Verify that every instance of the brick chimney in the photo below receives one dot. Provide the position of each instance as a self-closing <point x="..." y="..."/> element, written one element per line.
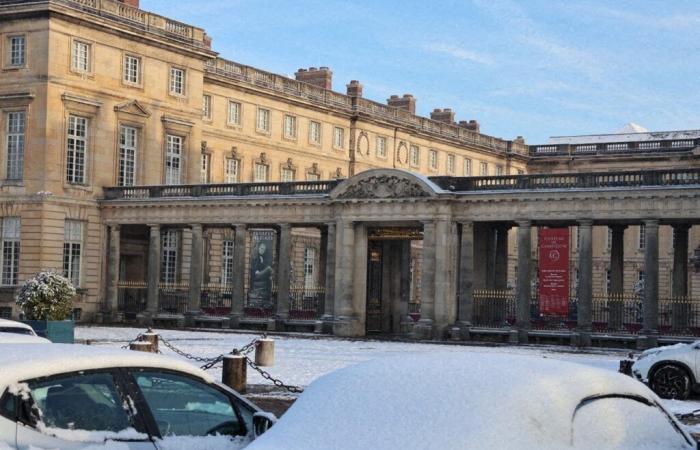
<point x="134" y="3"/>
<point x="443" y="115"/>
<point x="354" y="89"/>
<point x="407" y="102"/>
<point x="471" y="125"/>
<point x="321" y="77"/>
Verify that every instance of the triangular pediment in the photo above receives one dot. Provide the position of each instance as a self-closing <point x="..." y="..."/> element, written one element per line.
<point x="133" y="107"/>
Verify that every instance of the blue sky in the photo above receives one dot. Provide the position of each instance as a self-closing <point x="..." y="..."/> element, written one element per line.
<point x="535" y="68"/>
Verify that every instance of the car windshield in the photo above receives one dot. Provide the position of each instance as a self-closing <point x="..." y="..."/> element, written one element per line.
<point x="625" y="422"/>
<point x="16" y="330"/>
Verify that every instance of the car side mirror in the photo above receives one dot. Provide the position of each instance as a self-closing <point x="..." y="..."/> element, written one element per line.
<point x="262" y="421"/>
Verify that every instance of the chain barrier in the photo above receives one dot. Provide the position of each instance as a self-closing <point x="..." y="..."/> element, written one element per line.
<point x="275" y="381"/>
<point x="136" y="339"/>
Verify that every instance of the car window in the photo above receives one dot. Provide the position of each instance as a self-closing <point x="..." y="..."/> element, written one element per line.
<point x="625" y="423"/>
<point x="80" y="401"/>
<point x="15" y="330"/>
<point x="182" y="406"/>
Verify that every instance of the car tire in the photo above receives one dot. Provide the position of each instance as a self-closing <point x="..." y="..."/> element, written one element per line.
<point x="671" y="382"/>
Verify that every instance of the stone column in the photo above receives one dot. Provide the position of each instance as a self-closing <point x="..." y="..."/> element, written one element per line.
<point x="328" y="238"/>
<point x="585" y="283"/>
<point x="617" y="269"/>
<point x="238" y="299"/>
<point x="153" y="274"/>
<point x="679" y="288"/>
<point x="424" y="327"/>
<point x="523" y="288"/>
<point x="284" y="261"/>
<point x="113" y="275"/>
<point x="466" y="279"/>
<point x="501" y="263"/>
<point x="345" y="323"/>
<point x="651" y="282"/>
<point x="195" y="289"/>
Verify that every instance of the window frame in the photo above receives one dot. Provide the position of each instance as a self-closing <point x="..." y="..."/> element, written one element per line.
<point x="173" y="83"/>
<point x="414" y="150"/>
<point x="15" y="251"/>
<point x="20" y="145"/>
<point x="69" y="246"/>
<point x="290" y="127"/>
<point x="70" y="177"/>
<point x="287" y="170"/>
<point x="239" y="117"/>
<point x="205" y="168"/>
<point x="338" y="144"/>
<point x="168" y="172"/>
<point x="467" y="167"/>
<point x="384" y="153"/>
<point x="318" y="141"/>
<point x="89" y="56"/>
<point x="227" y="170"/>
<point x="207" y="107"/>
<point x="255" y="172"/>
<point x="267" y="113"/>
<point x="120" y="154"/>
<point x="450" y="163"/>
<point x="433" y="161"/>
<point x="483" y="169"/>
<point x="228" y="249"/>
<point x="9" y="41"/>
<point x="139" y="69"/>
<point x="170" y="262"/>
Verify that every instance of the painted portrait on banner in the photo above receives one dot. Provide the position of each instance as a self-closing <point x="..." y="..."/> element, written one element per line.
<point x="261" y="270"/>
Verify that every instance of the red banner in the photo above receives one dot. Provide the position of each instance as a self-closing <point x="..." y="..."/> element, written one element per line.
<point x="554" y="271"/>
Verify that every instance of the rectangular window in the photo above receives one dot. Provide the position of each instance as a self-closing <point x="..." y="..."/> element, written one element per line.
<point x="263" y="121"/>
<point x="10" y="250"/>
<point x="315" y="132"/>
<point x="451" y="164"/>
<point x="72" y="250"/>
<point x="16" y="123"/>
<point x="312" y="177"/>
<point x="483" y="169"/>
<point x="261" y="171"/>
<point x="234" y="113"/>
<point x="173" y="159"/>
<point x="81" y="56"/>
<point x="338" y="138"/>
<point x="170" y="245"/>
<point x="467" y="167"/>
<point x="500" y="170"/>
<point x="287" y="174"/>
<point x="290" y="127"/>
<point x="132" y="69"/>
<point x="642" y="237"/>
<point x="381" y="147"/>
<point x="433" y="159"/>
<point x="76" y="149"/>
<point x="205" y="172"/>
<point x="18" y="48"/>
<point x="414" y="155"/>
<point x="309" y="268"/>
<point x="206" y="107"/>
<point x="177" y="81"/>
<point x="232" y="170"/>
<point x="128" y="145"/>
<point x="227" y="263"/>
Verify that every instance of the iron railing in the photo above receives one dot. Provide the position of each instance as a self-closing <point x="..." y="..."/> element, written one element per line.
<point x="216" y="300"/>
<point x="658" y="146"/>
<point x="173" y="298"/>
<point x="306" y="303"/>
<point x="131" y="298"/>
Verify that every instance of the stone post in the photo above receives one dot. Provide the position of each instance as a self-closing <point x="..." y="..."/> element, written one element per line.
<point x="328" y="258"/>
<point x="284" y="261"/>
<point x="194" y="299"/>
<point x="523" y="289"/>
<point x="153" y="274"/>
<point x="238" y="299"/>
<point x="424" y="327"/>
<point x="617" y="269"/>
<point x="585" y="284"/>
<point x="113" y="274"/>
<point x="679" y="289"/>
<point x="651" y="282"/>
<point x="466" y="280"/>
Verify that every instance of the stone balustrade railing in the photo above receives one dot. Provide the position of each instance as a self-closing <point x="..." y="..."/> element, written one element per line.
<point x="670" y="145"/>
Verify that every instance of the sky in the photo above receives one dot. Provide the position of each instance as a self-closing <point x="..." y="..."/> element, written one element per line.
<point x="532" y="68"/>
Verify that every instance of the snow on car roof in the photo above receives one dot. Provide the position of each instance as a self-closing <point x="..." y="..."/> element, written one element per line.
<point x="20" y="362"/>
<point x="445" y="401"/>
<point x="15" y="338"/>
<point x="14" y="324"/>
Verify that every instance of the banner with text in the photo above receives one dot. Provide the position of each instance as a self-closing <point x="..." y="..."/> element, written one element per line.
<point x="554" y="271"/>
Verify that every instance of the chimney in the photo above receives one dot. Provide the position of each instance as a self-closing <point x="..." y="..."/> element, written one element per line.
<point x="354" y="89"/>
<point x="407" y="102"/>
<point x="443" y="115"/>
<point x="472" y="125"/>
<point x="134" y="3"/>
<point x="321" y="77"/>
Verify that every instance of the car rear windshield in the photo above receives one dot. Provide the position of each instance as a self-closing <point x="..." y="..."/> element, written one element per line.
<point x="16" y="330"/>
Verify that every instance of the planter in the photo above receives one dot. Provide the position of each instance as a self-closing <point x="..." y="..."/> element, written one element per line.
<point x="57" y="331"/>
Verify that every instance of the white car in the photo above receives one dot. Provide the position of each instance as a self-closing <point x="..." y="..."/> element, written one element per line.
<point x="10" y="326"/>
<point x="75" y="396"/>
<point x="15" y="338"/>
<point x="475" y="401"/>
<point x="671" y="371"/>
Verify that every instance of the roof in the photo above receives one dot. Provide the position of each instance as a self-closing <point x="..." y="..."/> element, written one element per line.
<point x="25" y="361"/>
<point x="14" y="324"/>
<point x="625" y="137"/>
<point x="446" y="400"/>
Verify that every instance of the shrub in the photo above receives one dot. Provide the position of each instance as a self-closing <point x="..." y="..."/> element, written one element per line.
<point x="46" y="296"/>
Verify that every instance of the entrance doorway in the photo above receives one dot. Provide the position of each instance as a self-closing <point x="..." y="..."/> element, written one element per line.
<point x="391" y="282"/>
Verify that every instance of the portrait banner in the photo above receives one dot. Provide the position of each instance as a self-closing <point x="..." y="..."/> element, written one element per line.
<point x="553" y="287"/>
<point x="261" y="269"/>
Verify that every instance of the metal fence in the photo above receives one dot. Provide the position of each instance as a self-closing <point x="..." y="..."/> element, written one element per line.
<point x="494" y="308"/>
<point x="216" y="300"/>
<point x="172" y="298"/>
<point x="131" y="298"/>
<point x="306" y="303"/>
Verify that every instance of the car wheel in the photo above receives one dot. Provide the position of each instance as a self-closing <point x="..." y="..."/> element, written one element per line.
<point x="670" y="381"/>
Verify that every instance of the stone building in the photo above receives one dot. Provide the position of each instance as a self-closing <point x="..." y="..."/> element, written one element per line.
<point x="99" y="97"/>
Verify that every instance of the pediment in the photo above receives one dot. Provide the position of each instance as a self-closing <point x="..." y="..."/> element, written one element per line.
<point x="385" y="184"/>
<point x="133" y="107"/>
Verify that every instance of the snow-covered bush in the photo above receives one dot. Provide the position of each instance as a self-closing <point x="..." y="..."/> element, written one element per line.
<point x="46" y="296"/>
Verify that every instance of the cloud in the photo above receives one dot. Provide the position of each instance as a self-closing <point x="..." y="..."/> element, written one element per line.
<point x="458" y="53"/>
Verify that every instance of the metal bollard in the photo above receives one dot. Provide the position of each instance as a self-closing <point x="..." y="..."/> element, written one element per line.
<point x="150" y="336"/>
<point x="235" y="373"/>
<point x="265" y="352"/>
<point x="141" y="346"/>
